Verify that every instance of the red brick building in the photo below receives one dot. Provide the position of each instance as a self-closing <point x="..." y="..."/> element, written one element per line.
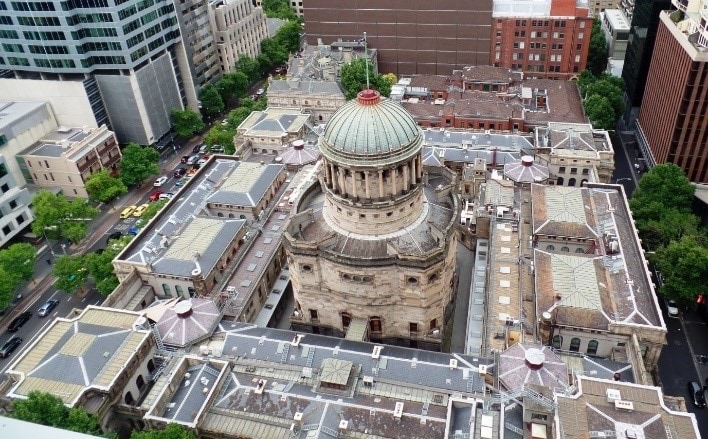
<point x="551" y="40"/>
<point x="673" y="118"/>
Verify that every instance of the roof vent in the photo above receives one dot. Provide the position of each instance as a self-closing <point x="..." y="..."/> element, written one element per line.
<point x="482" y="369"/>
<point x="296" y="340"/>
<point x="398" y="410"/>
<point x="183" y="309"/>
<point x="343" y="425"/>
<point x="453" y="364"/>
<point x="534" y="358"/>
<point x="377" y="352"/>
<point x="624" y="405"/>
<point x="613" y="395"/>
<point x="260" y="387"/>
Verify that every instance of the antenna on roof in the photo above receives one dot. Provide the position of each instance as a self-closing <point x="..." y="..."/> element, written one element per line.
<point x="366" y="60"/>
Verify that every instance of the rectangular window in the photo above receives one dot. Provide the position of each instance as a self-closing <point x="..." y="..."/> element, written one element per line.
<point x="313" y="314"/>
<point x="581" y="35"/>
<point x="413" y="328"/>
<point x="13" y="204"/>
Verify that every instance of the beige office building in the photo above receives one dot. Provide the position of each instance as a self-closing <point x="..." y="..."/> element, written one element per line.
<point x="238" y="29"/>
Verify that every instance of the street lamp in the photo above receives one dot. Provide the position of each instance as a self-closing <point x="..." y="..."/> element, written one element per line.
<point x="51" y="250"/>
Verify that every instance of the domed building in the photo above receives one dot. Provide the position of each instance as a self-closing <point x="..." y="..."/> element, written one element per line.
<point x="372" y="247"/>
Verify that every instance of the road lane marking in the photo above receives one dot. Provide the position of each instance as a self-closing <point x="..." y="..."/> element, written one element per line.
<point x="52" y="296"/>
<point x="55" y="314"/>
<point x="69" y="299"/>
<point x="97" y="302"/>
<point x="54" y="281"/>
<point x="83" y="300"/>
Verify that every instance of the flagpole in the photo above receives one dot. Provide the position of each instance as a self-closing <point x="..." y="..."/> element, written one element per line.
<point x="366" y="60"/>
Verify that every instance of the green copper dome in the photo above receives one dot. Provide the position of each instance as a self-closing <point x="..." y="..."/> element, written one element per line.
<point x="370" y="127"/>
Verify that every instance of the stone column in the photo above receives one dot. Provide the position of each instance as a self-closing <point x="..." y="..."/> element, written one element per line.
<point x="366" y="185"/>
<point x="405" y="177"/>
<point x="414" y="174"/>
<point x="342" y="183"/>
<point x="420" y="166"/>
<point x="332" y="177"/>
<point x="354" y="183"/>
<point x="326" y="172"/>
<point x="394" y="189"/>
<point x="381" y="193"/>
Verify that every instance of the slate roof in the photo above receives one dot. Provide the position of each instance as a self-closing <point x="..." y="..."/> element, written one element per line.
<point x="74" y="355"/>
<point x="592" y="290"/>
<point x="431" y="82"/>
<point x="487" y="74"/>
<point x="521" y="173"/>
<point x="246" y="185"/>
<point x="515" y="373"/>
<point x="312" y="88"/>
<point x="273" y="122"/>
<point x="589" y="411"/>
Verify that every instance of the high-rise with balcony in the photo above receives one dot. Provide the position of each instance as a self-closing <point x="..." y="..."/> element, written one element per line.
<point x="673" y="118"/>
<point x="128" y="54"/>
<point x="547" y="39"/>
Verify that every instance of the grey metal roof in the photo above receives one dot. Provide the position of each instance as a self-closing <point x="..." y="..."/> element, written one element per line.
<point x="371" y="129"/>
<point x="309" y="87"/>
<point x="246" y="185"/>
<point x="411" y="366"/>
<point x="190" y="396"/>
<point x="182" y="331"/>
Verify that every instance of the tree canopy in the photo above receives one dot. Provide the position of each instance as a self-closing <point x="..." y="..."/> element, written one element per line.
<point x="353" y="78"/>
<point x="57" y="217"/>
<point x="248" y="66"/>
<point x="100" y="266"/>
<point x="186" y="122"/>
<point x="232" y="86"/>
<point x="278" y="9"/>
<point x="103" y="187"/>
<point x="684" y="264"/>
<point x="211" y="101"/>
<point x="138" y="163"/>
<point x="665" y="184"/>
<point x="172" y="431"/>
<point x="47" y="409"/>
<point x="16" y="266"/>
<point x="600" y="112"/>
<point x="71" y="273"/>
<point x="598" y="52"/>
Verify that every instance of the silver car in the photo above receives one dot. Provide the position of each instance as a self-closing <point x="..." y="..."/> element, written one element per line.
<point x="47" y="308"/>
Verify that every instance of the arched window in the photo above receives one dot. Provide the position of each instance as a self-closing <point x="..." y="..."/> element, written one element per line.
<point x="557" y="341"/>
<point x="571" y="182"/>
<point x="231" y="215"/>
<point x="582" y="182"/>
<point x="565" y="249"/>
<point x="219" y="214"/>
<point x="375" y="324"/>
<point x="242" y="217"/>
<point x="574" y="344"/>
<point x="320" y="117"/>
<point x="592" y="347"/>
<point x="179" y="290"/>
<point x="579" y="250"/>
<point x="166" y="289"/>
<point x="550" y="247"/>
<point x="140" y="382"/>
<point x="559" y="181"/>
<point x="129" y="398"/>
<point x="151" y="366"/>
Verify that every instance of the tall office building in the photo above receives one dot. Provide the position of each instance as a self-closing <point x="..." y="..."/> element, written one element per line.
<point x="411" y="36"/>
<point x="644" y="17"/>
<point x="128" y="54"/>
<point x="673" y="118"/>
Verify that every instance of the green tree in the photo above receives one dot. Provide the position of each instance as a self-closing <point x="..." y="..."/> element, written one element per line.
<point x="150" y="212"/>
<point x="71" y="273"/>
<point x="41" y="408"/>
<point x="211" y="101"/>
<point x="666" y="226"/>
<point x="103" y="187"/>
<point x="613" y="93"/>
<point x="100" y="266"/>
<point x="57" y="217"/>
<point x="220" y="135"/>
<point x="172" y="431"/>
<point x="600" y="112"/>
<point x="666" y="185"/>
<point x="249" y="67"/>
<point x="232" y="86"/>
<point x="81" y="421"/>
<point x="138" y="163"/>
<point x="684" y="264"/>
<point x="289" y="36"/>
<point x="278" y="9"/>
<point x="598" y="51"/>
<point x="187" y="122"/>
<point x="9" y="281"/>
<point x="19" y="259"/>
<point x="354" y="79"/>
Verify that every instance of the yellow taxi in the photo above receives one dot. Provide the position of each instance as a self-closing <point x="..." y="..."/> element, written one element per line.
<point x="127" y="212"/>
<point x="139" y="211"/>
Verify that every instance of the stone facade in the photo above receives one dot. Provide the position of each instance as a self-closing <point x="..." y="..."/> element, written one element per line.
<point x="238" y="28"/>
<point x="381" y="250"/>
<point x="321" y="99"/>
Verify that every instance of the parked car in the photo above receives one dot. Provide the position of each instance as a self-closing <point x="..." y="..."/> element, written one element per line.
<point x="195" y="167"/>
<point x="179" y="172"/>
<point x="127" y="212"/>
<point x="179" y="183"/>
<point x="133" y="231"/>
<point x="697" y="396"/>
<point x="196" y="149"/>
<point x="216" y="148"/>
<point x="193" y="159"/>
<point x="114" y="235"/>
<point x="167" y="196"/>
<point x="185" y="158"/>
<point x="260" y="92"/>
<point x="672" y="308"/>
<point x="201" y="162"/>
<point x="160" y="181"/>
<point x="155" y="195"/>
<point x="223" y="123"/>
<point x="205" y="148"/>
<point x="140" y="210"/>
<point x="47" y="308"/>
<point x="19" y="321"/>
<point x="10" y="346"/>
